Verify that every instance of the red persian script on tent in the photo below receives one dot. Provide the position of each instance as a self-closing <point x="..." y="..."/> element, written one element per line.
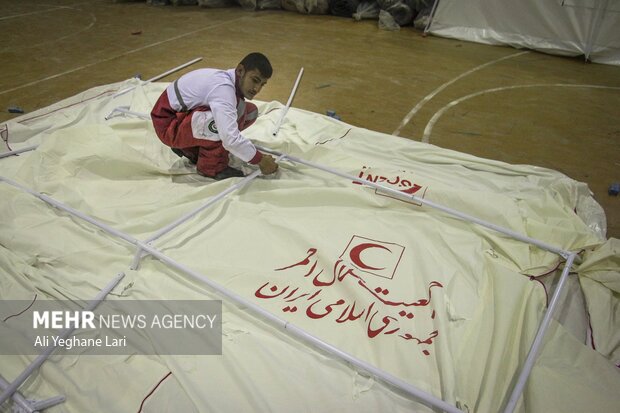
<point x="365" y="271"/>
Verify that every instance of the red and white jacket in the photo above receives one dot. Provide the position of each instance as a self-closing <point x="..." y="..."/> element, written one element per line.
<point x="215" y="89"/>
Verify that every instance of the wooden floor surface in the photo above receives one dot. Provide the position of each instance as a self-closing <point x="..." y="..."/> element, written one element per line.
<point x="501" y="103"/>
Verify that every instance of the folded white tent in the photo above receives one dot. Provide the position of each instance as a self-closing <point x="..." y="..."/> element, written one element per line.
<point x="566" y="27"/>
<point x="406" y="297"/>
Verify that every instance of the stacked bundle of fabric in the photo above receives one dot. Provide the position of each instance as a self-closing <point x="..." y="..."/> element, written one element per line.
<point x="307" y="6"/>
<point x="395" y="13"/>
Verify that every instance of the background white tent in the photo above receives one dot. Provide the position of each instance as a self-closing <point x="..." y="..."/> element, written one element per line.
<point x="565" y="27"/>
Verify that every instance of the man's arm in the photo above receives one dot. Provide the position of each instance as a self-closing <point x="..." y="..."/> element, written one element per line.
<point x="225" y="116"/>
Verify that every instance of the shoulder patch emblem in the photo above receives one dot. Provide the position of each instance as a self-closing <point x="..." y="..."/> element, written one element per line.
<point x="212" y="127"/>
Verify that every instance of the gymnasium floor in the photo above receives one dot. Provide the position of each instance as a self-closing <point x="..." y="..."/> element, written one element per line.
<point x="511" y="105"/>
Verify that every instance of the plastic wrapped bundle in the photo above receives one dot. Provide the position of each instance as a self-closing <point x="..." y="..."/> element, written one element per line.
<point x="306" y="6"/>
<point x="386" y="4"/>
<point x="401" y="13"/>
<point x="423" y="10"/>
<point x="401" y="10"/>
<point x="367" y="10"/>
<point x="214" y="4"/>
<point x="259" y="4"/>
<point x="386" y="21"/>
<point x="268" y="4"/>
<point x="344" y="8"/>
<point x="247" y="4"/>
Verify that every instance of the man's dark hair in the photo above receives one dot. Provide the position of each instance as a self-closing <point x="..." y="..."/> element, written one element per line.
<point x="258" y="61"/>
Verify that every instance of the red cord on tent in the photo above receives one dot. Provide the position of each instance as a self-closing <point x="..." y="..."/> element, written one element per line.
<point x="68" y="106"/>
<point x="4" y="132"/>
<point x="23" y="311"/>
<point x="153" y="391"/>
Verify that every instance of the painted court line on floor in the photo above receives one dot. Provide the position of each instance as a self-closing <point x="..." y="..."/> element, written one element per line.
<point x="13" y="16"/>
<point x="431" y="95"/>
<point x="431" y="123"/>
<point x="53" y="8"/>
<point x="90" y="26"/>
<point x="121" y="55"/>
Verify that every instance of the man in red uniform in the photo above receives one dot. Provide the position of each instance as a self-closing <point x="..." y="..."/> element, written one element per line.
<point x="201" y="114"/>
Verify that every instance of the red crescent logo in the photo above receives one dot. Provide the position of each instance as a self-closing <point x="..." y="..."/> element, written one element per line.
<point x="357" y="251"/>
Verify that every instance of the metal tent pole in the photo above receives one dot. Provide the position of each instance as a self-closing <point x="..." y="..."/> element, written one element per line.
<point x="242" y="183"/>
<point x="301" y="334"/>
<point x="398" y="194"/>
<point x="537" y="343"/>
<point x="542" y="329"/>
<point x="432" y="204"/>
<point x="430" y="17"/>
<point x="211" y="201"/>
<point x="414" y="198"/>
<point x="593" y="31"/>
<point x="153" y="79"/>
<point x="570" y="256"/>
<point x="394" y="192"/>
<point x="71" y="211"/>
<point x="122" y="92"/>
<point x="17" y="151"/>
<point x="12" y="388"/>
<point x="288" y="103"/>
<point x="31" y="406"/>
<point x="44" y="404"/>
<point x="125" y="109"/>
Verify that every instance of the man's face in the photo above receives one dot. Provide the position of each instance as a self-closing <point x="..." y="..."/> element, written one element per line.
<point x="250" y="81"/>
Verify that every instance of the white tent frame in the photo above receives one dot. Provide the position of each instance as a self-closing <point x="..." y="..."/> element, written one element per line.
<point x="27" y="405"/>
<point x="146" y="247"/>
<point x="9" y="389"/>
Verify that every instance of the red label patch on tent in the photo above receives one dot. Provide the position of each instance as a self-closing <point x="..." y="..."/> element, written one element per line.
<point x="401" y="182"/>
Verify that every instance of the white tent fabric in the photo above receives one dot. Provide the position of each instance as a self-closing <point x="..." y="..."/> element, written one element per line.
<point x="565" y="27"/>
<point x="440" y="303"/>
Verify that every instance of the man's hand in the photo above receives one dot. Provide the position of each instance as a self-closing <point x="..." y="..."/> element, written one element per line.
<point x="267" y="164"/>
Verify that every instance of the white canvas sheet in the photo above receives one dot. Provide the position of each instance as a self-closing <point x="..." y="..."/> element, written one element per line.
<point x="440" y="303"/>
<point x="564" y="27"/>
